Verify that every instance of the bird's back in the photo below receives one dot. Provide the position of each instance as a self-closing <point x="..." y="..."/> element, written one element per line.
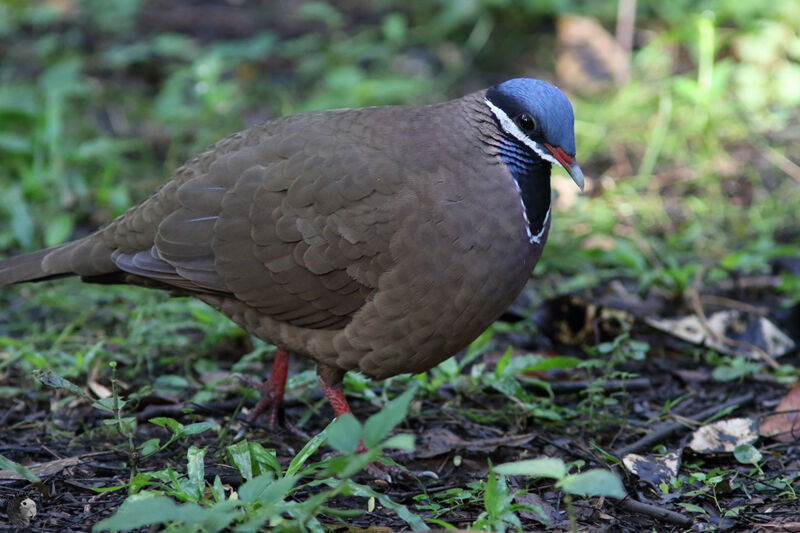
<point x="377" y="239"/>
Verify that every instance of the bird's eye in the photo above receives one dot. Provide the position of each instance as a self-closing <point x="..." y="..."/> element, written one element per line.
<point x="526" y="122"/>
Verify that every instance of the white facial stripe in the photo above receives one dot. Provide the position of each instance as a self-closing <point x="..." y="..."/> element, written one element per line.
<point x="509" y="126"/>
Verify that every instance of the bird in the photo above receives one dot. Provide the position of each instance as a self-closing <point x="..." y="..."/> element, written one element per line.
<point x="379" y="240"/>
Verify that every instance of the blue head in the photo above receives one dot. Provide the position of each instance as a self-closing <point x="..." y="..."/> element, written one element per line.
<point x="539" y="117"/>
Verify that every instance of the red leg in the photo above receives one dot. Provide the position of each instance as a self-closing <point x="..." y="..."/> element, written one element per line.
<point x="335" y="395"/>
<point x="337" y="399"/>
<point x="272" y="391"/>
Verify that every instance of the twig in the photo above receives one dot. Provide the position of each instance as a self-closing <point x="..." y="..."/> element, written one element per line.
<point x="655" y="511"/>
<point x="782" y="162"/>
<point x="663" y="431"/>
<point x="566" y="387"/>
<point x="694" y="300"/>
<point x="730" y="303"/>
<point x="626" y="17"/>
<point x="749" y="283"/>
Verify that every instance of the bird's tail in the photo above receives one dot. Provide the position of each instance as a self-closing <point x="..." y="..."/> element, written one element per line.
<point x="84" y="257"/>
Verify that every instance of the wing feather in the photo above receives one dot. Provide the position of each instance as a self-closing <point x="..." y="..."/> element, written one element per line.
<point x="289" y="217"/>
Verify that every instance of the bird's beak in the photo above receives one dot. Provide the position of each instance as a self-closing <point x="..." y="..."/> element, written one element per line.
<point x="567" y="163"/>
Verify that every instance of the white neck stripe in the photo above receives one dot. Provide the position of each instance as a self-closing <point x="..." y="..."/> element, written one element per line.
<point x="538" y="237"/>
<point x="512" y="129"/>
<point x="531" y="237"/>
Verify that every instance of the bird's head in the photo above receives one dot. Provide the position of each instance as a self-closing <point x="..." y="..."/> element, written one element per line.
<point x="539" y="117"/>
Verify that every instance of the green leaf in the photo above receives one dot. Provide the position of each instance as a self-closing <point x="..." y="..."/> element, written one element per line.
<point x="251" y="490"/>
<point x="53" y="380"/>
<point x="543" y="467"/>
<point x="19" y="100"/>
<point x="197" y="427"/>
<point x="113" y="488"/>
<point x="344" y="433"/>
<point x="149" y="447"/>
<point x="278" y="490"/>
<point x="554" y="363"/>
<point x="57" y="230"/>
<point x="8" y="464"/>
<point x="349" y="465"/>
<point x="381" y="423"/>
<point x="266" y="460"/>
<point x="266" y="490"/>
<point x="144" y="510"/>
<point x="747" y="454"/>
<point x="414" y="521"/>
<point x="126" y="424"/>
<point x="320" y="11"/>
<point x="503" y="362"/>
<point x="195" y="470"/>
<point x="402" y="441"/>
<point x="394" y="27"/>
<point x="239" y="454"/>
<point x="496" y="498"/>
<point x="593" y="483"/>
<point x="138" y="482"/>
<point x="509" y="386"/>
<point x="693" y="508"/>
<point x="109" y="404"/>
<point x="218" y="490"/>
<point x="11" y="143"/>
<point x="21" y="221"/>
<point x="169" y="423"/>
<point x="308" y="450"/>
<point x="738" y="368"/>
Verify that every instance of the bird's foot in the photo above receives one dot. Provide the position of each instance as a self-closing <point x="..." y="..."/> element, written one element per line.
<point x="275" y="419"/>
<point x="272" y="407"/>
<point x="268" y="402"/>
<point x="271" y="400"/>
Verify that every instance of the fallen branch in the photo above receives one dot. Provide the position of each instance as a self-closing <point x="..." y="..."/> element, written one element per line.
<point x="566" y="387"/>
<point x="693" y="294"/>
<point x="663" y="431"/>
<point x="656" y="511"/>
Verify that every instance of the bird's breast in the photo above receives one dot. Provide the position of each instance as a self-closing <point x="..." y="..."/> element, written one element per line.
<point x="462" y="255"/>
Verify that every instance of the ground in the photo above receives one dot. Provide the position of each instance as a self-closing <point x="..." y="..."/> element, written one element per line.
<point x="461" y="424"/>
<point x="117" y="394"/>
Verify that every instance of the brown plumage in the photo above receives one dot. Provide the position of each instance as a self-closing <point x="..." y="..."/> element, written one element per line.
<point x="378" y="240"/>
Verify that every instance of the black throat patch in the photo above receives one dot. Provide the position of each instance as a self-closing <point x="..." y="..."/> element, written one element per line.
<point x="532" y="175"/>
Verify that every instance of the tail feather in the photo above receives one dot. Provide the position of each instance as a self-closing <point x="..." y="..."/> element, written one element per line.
<point x="84" y="257"/>
<point x="25" y="267"/>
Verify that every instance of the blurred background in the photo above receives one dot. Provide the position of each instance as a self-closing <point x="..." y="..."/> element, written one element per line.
<point x="686" y="111"/>
<point x="687" y="129"/>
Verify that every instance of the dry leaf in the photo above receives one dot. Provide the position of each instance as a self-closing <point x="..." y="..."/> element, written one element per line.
<point x="735" y="325"/>
<point x="724" y="436"/>
<point x="589" y="59"/>
<point x="784" y="423"/>
<point x="653" y="469"/>
<point x="438" y="441"/>
<point x="49" y="468"/>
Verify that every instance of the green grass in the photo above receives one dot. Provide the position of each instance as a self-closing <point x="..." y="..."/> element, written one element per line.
<point x="692" y="182"/>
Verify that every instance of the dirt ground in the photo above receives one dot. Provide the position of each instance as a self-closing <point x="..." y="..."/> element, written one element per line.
<point x="452" y="428"/>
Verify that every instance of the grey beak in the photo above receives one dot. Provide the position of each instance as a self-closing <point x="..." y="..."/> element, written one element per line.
<point x="576" y="173"/>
